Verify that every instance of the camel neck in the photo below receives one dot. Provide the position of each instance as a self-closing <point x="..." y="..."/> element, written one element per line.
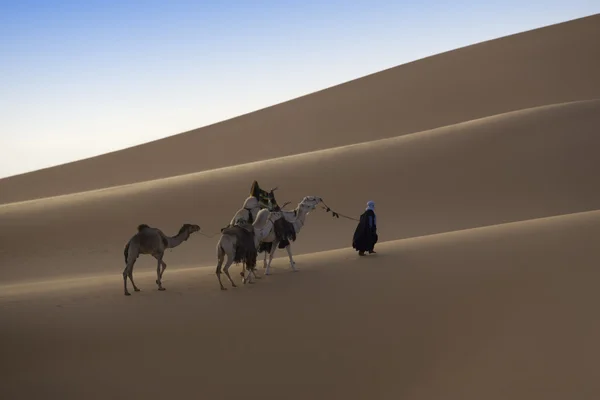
<point x="175" y="241"/>
<point x="300" y="218"/>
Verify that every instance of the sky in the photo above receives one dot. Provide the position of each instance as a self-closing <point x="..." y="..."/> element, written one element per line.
<point x="83" y="78"/>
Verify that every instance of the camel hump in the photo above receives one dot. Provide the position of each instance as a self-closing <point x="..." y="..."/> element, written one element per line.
<point x="141" y="227"/>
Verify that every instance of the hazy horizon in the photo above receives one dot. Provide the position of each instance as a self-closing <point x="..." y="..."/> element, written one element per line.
<point x="84" y="80"/>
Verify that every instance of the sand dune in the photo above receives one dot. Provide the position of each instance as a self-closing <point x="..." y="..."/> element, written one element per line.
<point x="498" y="312"/>
<point x="483" y="163"/>
<point x="521" y="165"/>
<point x="555" y="64"/>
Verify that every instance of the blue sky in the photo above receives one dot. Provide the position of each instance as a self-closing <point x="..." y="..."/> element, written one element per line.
<point x="84" y="78"/>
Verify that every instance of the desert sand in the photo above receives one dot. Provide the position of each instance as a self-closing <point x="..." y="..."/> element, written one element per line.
<point x="483" y="164"/>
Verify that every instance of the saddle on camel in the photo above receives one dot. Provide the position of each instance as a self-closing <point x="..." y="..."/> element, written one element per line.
<point x="245" y="250"/>
<point x="284" y="230"/>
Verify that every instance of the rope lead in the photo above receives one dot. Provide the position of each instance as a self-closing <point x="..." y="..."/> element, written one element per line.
<point x="336" y="214"/>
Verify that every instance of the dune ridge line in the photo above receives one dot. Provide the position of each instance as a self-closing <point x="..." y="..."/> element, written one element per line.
<point x="379" y="142"/>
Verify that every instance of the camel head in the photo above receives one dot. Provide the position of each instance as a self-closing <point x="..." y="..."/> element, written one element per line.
<point x="188" y="229"/>
<point x="309" y="203"/>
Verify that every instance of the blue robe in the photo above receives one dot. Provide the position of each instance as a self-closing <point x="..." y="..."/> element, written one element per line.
<point x="365" y="236"/>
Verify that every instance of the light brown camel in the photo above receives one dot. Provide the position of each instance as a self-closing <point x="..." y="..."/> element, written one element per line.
<point x="152" y="241"/>
<point x="239" y="243"/>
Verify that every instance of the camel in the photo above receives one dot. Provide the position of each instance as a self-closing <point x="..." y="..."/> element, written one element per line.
<point x="297" y="218"/>
<point x="152" y="241"/>
<point x="240" y="241"/>
<point x="247" y="214"/>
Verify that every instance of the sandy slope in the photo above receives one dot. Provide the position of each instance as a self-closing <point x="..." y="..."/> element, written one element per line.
<point x="499" y="312"/>
<point x="554" y="64"/>
<point x="521" y="165"/>
<point x="504" y="311"/>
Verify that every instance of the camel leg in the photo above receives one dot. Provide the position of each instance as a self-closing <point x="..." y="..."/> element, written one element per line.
<point x="220" y="259"/>
<point x="267" y="266"/>
<point x="292" y="262"/>
<point x="248" y="272"/>
<point x="158" y="271"/>
<point x="265" y="263"/>
<point x="162" y="271"/>
<point x="218" y="272"/>
<point x="243" y="273"/>
<point x="253" y="271"/>
<point x="273" y="248"/>
<point x="272" y="252"/>
<point x="125" y="274"/>
<point x="226" y="270"/>
<point x="130" y="274"/>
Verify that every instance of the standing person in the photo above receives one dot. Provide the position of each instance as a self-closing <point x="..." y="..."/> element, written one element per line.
<point x="365" y="235"/>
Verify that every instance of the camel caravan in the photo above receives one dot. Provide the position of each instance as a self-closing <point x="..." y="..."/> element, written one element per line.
<point x="260" y="226"/>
